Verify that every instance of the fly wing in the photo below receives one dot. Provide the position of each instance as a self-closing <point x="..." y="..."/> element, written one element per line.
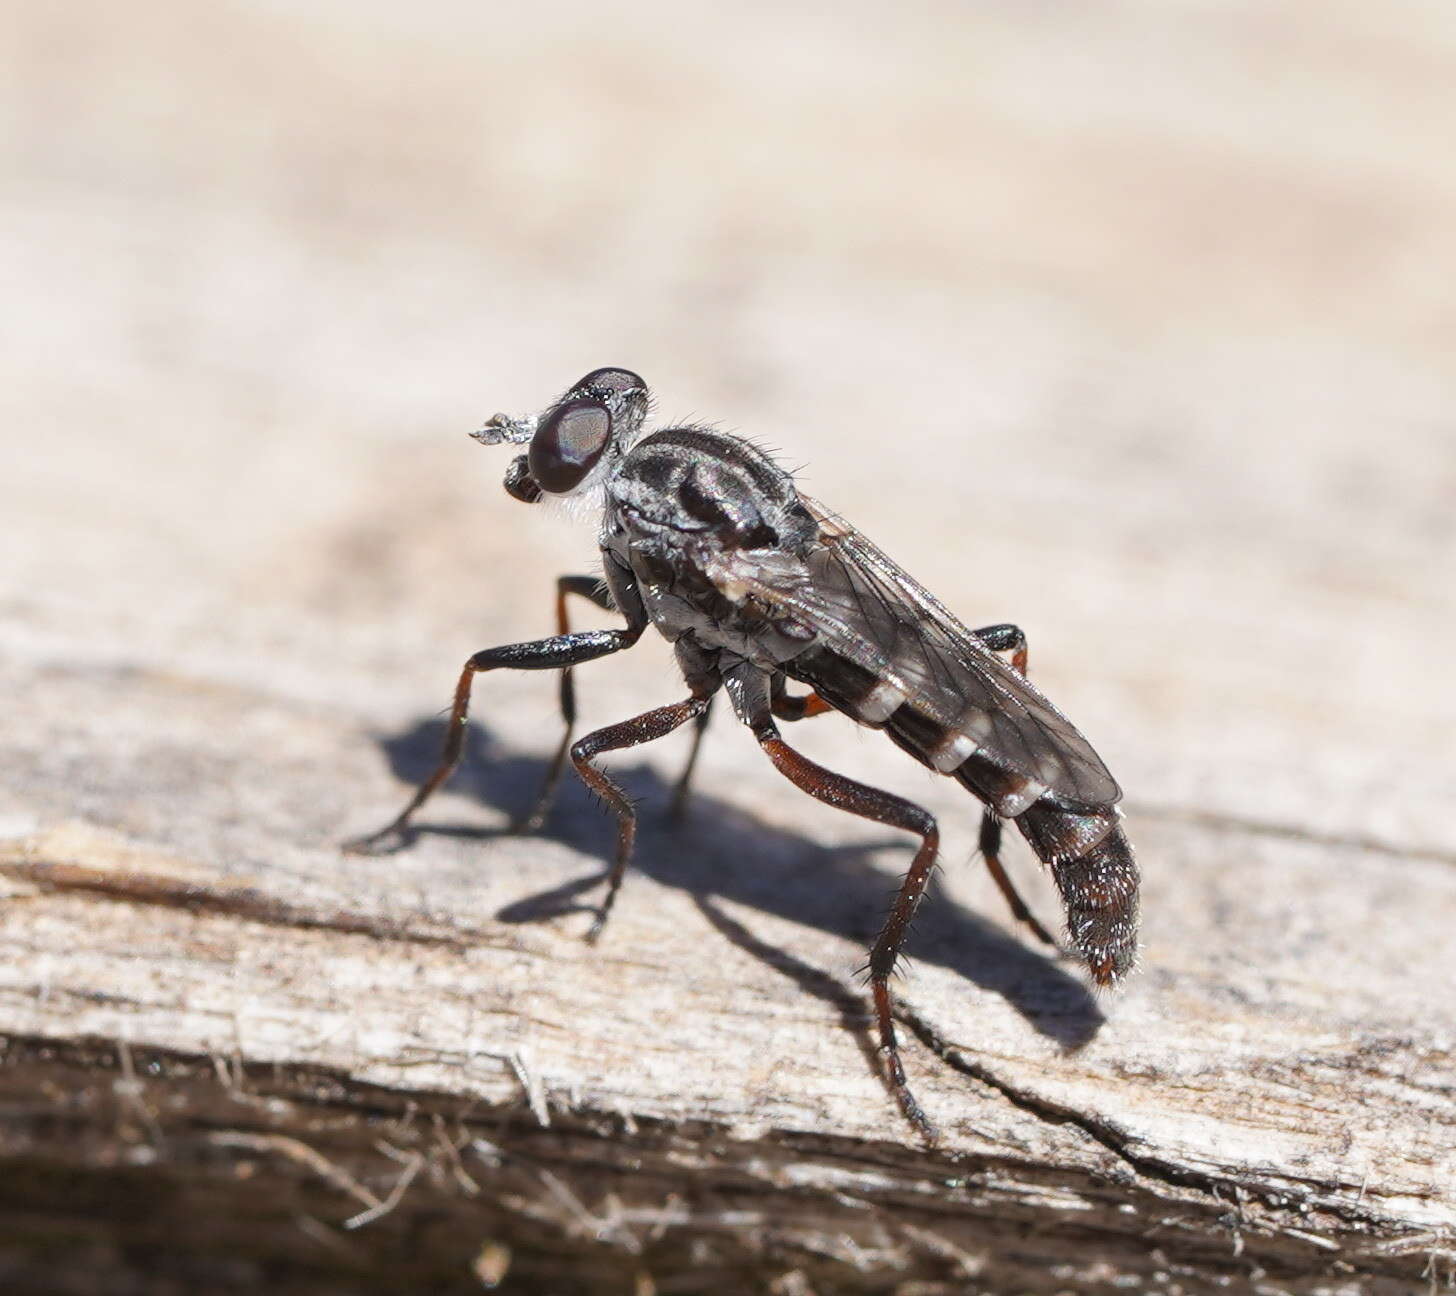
<point x="869" y="610"/>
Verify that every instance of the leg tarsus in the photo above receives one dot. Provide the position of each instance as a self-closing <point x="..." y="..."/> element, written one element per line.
<point x="886" y="808"/>
<point x="537" y="654"/>
<point x="395" y="836"/>
<point x="895" y="1069"/>
<point x="397" y="833"/>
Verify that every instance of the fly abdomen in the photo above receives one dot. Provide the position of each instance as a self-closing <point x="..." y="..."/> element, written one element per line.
<point x="957" y="751"/>
<point x="948" y="749"/>
<point x="1092" y="863"/>
<point x="847" y="686"/>
<point x="1083" y="845"/>
<point x="1080" y="841"/>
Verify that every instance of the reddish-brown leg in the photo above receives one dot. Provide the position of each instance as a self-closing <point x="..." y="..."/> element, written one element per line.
<point x="538" y="654"/>
<point x="629" y="733"/>
<point x="886" y="808"/>
<point x="680" y="792"/>
<point x="1012" y="639"/>
<point x="787" y="707"/>
<point x="991" y="853"/>
<point x="784" y="706"/>
<point x="1006" y="638"/>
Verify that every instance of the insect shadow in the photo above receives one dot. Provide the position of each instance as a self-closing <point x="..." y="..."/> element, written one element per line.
<point x="718" y="850"/>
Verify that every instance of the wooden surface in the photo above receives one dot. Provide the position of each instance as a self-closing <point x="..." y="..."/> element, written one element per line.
<point x="1133" y="328"/>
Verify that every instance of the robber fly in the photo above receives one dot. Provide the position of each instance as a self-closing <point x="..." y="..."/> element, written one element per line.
<point x="755" y="584"/>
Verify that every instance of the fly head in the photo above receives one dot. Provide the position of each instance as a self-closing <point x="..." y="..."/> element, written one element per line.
<point x="574" y="442"/>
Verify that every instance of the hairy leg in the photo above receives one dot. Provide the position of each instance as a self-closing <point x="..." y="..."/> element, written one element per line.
<point x="629" y="733"/>
<point x="538" y="654"/>
<point x="680" y="792"/>
<point x="751" y="700"/>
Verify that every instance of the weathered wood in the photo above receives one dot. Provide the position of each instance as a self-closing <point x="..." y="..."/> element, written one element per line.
<point x="1131" y="328"/>
<point x="299" y="1047"/>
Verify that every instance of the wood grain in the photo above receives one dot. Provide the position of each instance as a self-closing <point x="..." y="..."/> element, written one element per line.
<point x="1153" y="361"/>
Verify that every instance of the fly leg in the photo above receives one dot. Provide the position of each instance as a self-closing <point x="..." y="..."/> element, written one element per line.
<point x="680" y="793"/>
<point x="751" y="701"/>
<point x="1006" y="638"/>
<point x="700" y="670"/>
<point x="1089" y="856"/>
<point x="991" y="853"/>
<point x="1012" y="639"/>
<point x="594" y="591"/>
<point x="629" y="733"/>
<point x="787" y="707"/>
<point x="539" y="654"/>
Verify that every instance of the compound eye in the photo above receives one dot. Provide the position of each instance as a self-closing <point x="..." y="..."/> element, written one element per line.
<point x="568" y="444"/>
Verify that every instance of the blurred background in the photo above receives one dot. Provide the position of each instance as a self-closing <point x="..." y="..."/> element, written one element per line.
<point x="1130" y="321"/>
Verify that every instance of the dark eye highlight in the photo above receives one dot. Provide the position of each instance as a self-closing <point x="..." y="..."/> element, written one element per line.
<point x="568" y="444"/>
